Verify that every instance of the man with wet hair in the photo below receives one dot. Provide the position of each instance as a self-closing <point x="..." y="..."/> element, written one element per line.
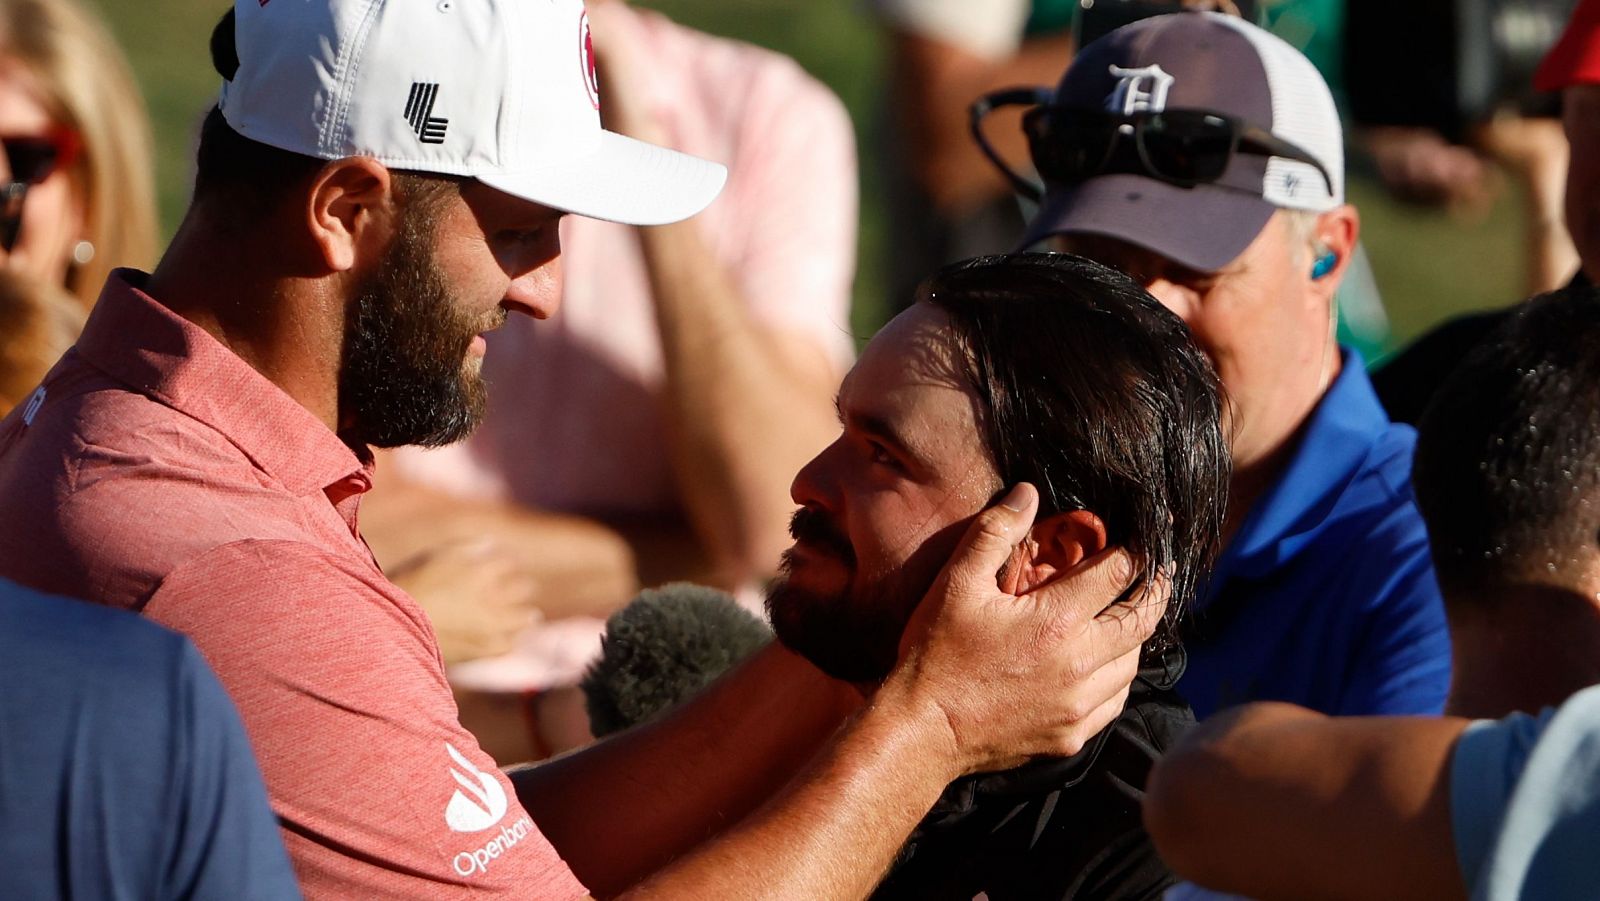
<point x="380" y="183"/>
<point x="1063" y="373"/>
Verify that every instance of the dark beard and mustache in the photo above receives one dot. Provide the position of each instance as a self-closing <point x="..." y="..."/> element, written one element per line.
<point x="404" y="378"/>
<point x="850" y="635"/>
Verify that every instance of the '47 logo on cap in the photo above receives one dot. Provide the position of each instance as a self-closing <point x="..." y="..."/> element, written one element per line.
<point x="419" y="112"/>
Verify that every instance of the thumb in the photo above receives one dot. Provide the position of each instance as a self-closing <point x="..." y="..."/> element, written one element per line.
<point x="989" y="541"/>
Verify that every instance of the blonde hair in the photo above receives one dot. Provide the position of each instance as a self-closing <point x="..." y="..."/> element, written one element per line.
<point x="1300" y="227"/>
<point x="88" y="87"/>
<point x="38" y="323"/>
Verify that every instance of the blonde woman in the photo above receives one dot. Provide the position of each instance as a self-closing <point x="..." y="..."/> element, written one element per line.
<point x="76" y="191"/>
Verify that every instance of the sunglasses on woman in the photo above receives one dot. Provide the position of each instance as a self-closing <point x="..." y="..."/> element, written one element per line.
<point x="31" y="159"/>
<point x="1183" y="147"/>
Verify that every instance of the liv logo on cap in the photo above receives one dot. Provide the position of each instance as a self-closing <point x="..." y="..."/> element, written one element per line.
<point x="419" y="112"/>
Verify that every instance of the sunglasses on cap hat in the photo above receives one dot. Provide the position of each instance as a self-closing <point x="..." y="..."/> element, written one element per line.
<point x="31" y="159"/>
<point x="1183" y="147"/>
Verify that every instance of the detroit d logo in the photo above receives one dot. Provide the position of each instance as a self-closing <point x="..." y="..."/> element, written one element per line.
<point x="1142" y="90"/>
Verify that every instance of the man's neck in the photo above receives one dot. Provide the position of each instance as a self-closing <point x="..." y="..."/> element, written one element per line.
<point x="246" y="296"/>
<point x="1529" y="647"/>
<point x="1256" y="469"/>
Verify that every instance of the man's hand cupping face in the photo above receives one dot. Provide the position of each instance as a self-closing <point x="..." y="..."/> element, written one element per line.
<point x="1029" y="675"/>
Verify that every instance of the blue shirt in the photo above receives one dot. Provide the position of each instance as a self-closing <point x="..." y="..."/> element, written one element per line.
<point x="124" y="769"/>
<point x="1325" y="597"/>
<point x="1525" y="803"/>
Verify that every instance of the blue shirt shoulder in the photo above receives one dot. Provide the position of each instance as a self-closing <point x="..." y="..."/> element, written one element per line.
<point x="1525" y="803"/>
<point x="1325" y="597"/>
<point x="124" y="768"/>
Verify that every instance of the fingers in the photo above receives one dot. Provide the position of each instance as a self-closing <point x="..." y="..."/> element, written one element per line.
<point x="1090" y="587"/>
<point x="988" y="541"/>
<point x="1103" y="716"/>
<point x="1131" y="622"/>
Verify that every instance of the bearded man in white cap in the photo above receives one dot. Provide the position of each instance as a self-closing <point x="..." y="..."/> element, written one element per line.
<point x="380" y="184"/>
<point x="1204" y="156"/>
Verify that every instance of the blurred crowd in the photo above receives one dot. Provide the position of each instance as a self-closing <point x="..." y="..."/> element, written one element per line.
<point x="483" y="493"/>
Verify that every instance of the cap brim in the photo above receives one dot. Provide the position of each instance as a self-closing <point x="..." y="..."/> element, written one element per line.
<point x="623" y="180"/>
<point x="1202" y="228"/>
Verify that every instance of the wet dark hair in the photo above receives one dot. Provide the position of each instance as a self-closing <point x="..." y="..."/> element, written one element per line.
<point x="1507" y="464"/>
<point x="246" y="179"/>
<point x="1096" y="394"/>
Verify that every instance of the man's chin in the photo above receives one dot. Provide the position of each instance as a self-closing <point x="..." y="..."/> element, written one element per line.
<point x="820" y="629"/>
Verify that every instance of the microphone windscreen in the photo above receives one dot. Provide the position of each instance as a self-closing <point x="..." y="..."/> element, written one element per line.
<point x="663" y="647"/>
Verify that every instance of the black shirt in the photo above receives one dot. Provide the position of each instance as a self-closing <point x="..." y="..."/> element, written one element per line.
<point x="1407" y="382"/>
<point x="1054" y="829"/>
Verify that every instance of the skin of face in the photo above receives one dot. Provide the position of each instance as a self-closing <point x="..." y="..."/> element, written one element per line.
<point x="1581" y="118"/>
<point x="413" y="352"/>
<point x="1265" y="327"/>
<point x="884" y="505"/>
<point x="53" y="214"/>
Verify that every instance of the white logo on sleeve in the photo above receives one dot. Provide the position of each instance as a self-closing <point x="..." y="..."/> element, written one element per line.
<point x="1139" y="90"/>
<point x="479" y="803"/>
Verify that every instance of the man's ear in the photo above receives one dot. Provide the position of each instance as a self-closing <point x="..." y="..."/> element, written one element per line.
<point x="1056" y="544"/>
<point x="1336" y="233"/>
<point x="351" y="211"/>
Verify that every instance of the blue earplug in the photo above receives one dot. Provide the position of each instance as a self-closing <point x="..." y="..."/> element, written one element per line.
<point x="1324" y="265"/>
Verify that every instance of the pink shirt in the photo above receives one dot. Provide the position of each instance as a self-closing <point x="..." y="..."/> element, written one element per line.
<point x="154" y="470"/>
<point x="575" y="421"/>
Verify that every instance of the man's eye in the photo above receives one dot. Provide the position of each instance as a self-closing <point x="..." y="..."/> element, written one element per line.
<point x="879" y="454"/>
<point x="521" y="236"/>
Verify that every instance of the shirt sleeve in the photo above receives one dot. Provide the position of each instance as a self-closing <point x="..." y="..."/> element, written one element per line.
<point x="225" y="841"/>
<point x="378" y="789"/>
<point x="991" y="29"/>
<point x="1488" y="758"/>
<point x="1525" y="803"/>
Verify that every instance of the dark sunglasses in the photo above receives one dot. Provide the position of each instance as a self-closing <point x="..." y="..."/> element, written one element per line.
<point x="1183" y="147"/>
<point x="32" y="159"/>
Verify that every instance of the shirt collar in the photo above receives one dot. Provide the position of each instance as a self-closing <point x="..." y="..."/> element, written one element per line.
<point x="132" y="338"/>
<point x="1159" y="672"/>
<point x="1335" y="443"/>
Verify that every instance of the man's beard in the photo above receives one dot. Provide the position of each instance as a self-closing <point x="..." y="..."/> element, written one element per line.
<point x="404" y="378"/>
<point x="854" y="634"/>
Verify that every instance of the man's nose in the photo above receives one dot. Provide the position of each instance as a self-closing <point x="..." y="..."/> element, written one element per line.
<point x="813" y="485"/>
<point x="537" y="292"/>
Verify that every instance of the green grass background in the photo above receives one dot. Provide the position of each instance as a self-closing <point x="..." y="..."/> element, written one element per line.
<point x="1428" y="265"/>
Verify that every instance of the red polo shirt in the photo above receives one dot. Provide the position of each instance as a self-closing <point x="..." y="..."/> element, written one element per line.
<point x="154" y="470"/>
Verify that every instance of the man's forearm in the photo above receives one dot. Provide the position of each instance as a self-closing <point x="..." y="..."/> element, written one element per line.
<point x="621" y="810"/>
<point x="746" y="407"/>
<point x="833" y="832"/>
<point x="1275" y="801"/>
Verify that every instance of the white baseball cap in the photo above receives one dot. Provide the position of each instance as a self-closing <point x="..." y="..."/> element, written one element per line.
<point x="503" y="91"/>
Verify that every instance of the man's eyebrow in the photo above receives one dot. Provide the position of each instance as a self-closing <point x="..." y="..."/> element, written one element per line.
<point x="875" y="426"/>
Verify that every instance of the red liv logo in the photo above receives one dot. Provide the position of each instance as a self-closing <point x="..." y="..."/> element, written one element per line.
<point x="591" y="78"/>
